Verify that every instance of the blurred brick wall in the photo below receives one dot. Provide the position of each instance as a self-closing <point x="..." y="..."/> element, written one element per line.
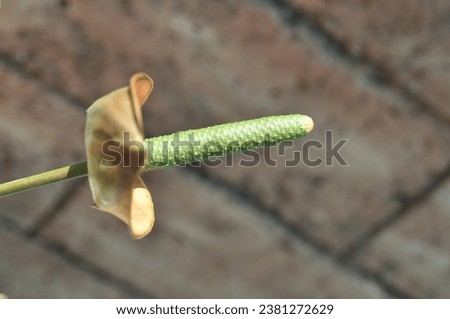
<point x="373" y="72"/>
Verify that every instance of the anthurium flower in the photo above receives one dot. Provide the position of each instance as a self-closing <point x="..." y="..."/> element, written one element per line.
<point x="114" y="127"/>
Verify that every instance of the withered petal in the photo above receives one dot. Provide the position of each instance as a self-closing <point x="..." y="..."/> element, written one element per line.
<point x="142" y="215"/>
<point x="115" y="156"/>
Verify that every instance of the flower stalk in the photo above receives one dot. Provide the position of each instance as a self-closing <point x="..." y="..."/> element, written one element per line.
<point x="117" y="152"/>
<point x="199" y="145"/>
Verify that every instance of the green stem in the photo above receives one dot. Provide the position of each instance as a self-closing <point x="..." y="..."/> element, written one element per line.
<point x="53" y="176"/>
<point x="188" y="146"/>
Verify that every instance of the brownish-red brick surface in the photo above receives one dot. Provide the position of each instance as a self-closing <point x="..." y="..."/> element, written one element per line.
<point x="373" y="75"/>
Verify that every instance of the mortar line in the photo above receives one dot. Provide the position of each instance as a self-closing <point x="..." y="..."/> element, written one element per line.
<point x="434" y="183"/>
<point x="290" y="229"/>
<point x="95" y="271"/>
<point x="376" y="73"/>
<point x="73" y="260"/>
<point x="55" y="210"/>
<point x="15" y="67"/>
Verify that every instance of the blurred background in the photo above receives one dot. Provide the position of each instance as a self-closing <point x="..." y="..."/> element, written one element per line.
<point x="374" y="72"/>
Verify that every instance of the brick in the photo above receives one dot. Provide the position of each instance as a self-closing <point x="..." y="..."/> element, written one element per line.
<point x="206" y="243"/>
<point x="221" y="61"/>
<point x="414" y="254"/>
<point x="39" y="131"/>
<point x="408" y="39"/>
<point x="29" y="271"/>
